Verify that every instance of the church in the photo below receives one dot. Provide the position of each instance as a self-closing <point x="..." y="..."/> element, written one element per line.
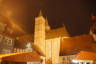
<point x="47" y="41"/>
<point x="57" y="45"/>
<point x="53" y="45"/>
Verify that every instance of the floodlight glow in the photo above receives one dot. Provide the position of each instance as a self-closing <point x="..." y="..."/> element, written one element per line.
<point x="74" y="61"/>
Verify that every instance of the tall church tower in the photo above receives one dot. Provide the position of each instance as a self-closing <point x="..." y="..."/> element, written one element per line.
<point x="39" y="35"/>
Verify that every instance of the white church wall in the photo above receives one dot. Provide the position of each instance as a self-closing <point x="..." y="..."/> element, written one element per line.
<point x="53" y="49"/>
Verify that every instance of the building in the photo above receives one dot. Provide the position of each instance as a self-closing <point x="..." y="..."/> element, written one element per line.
<point x="55" y="45"/>
<point x="46" y="41"/>
<point x="86" y="57"/>
<point x="6" y="42"/>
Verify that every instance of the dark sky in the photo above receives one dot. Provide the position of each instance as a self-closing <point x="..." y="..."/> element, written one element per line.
<point x="75" y="14"/>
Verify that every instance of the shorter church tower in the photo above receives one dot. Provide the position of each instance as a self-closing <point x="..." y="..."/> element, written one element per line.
<point x="47" y="26"/>
<point x="39" y="34"/>
<point x="93" y="27"/>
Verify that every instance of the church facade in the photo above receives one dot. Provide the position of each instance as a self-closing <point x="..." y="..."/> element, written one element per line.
<point x="47" y="44"/>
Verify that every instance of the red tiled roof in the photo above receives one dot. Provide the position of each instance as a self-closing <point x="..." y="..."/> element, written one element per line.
<point x="22" y="57"/>
<point x="57" y="33"/>
<point x="86" y="55"/>
<point x="76" y="44"/>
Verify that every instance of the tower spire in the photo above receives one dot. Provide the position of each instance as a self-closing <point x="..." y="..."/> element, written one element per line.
<point x="40" y="13"/>
<point x="46" y="23"/>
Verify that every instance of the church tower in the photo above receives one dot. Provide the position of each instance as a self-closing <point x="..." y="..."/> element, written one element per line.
<point x="39" y="34"/>
<point x="93" y="27"/>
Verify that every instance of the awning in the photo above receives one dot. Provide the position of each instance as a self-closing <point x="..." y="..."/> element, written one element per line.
<point x="86" y="55"/>
<point x="21" y="57"/>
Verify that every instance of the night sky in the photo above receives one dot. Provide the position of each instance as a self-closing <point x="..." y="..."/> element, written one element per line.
<point x="74" y="14"/>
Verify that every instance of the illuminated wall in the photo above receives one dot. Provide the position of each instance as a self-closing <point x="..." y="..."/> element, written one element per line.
<point x="39" y="35"/>
<point x="51" y="47"/>
<point x="52" y="50"/>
